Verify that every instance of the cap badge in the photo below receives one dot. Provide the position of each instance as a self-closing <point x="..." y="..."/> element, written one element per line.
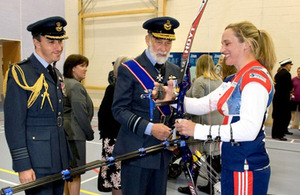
<point x="58" y="27"/>
<point x="168" y="25"/>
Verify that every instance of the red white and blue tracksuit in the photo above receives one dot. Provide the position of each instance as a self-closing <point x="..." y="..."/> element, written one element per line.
<point x="244" y="102"/>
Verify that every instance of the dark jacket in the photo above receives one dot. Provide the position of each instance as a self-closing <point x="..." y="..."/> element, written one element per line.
<point x="35" y="135"/>
<point x="283" y="88"/>
<point x="78" y="111"/>
<point x="107" y="125"/>
<point x="128" y="106"/>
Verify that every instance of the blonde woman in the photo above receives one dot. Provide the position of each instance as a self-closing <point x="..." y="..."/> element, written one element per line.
<point x="244" y="101"/>
<point x="219" y="66"/>
<point x="206" y="81"/>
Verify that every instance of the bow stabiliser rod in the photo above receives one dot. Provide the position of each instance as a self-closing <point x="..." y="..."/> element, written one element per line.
<point x="68" y="174"/>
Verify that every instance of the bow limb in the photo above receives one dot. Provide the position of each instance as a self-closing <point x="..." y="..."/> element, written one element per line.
<point x="185" y="82"/>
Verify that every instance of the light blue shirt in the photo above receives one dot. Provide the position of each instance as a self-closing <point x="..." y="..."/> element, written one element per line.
<point x="41" y="60"/>
<point x="150" y="57"/>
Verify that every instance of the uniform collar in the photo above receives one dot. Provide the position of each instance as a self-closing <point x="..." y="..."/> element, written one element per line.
<point x="150" y="57"/>
<point x="41" y="60"/>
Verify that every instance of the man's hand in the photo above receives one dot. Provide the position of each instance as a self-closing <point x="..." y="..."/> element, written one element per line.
<point x="168" y="90"/>
<point x="27" y="176"/>
<point x="160" y="131"/>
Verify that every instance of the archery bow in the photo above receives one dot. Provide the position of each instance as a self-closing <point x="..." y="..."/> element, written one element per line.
<point x="183" y="87"/>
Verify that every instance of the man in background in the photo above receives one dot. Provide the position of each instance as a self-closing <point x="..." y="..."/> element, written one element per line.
<point x="281" y="101"/>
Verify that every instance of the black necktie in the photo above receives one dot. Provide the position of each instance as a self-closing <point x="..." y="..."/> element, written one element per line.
<point x="160" y="68"/>
<point x="52" y="73"/>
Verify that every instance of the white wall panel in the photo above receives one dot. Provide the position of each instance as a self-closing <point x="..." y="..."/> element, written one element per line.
<point x="119" y="36"/>
<point x="10" y="19"/>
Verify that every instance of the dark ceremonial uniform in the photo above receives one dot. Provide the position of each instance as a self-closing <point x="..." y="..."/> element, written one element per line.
<point x="133" y="113"/>
<point x="34" y="120"/>
<point x="35" y="135"/>
<point x="281" y="102"/>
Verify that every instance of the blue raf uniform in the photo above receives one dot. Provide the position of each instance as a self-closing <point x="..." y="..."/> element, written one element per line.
<point x="133" y="113"/>
<point x="33" y="112"/>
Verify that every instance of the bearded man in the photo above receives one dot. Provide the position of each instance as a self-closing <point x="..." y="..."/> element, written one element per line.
<point x="139" y="128"/>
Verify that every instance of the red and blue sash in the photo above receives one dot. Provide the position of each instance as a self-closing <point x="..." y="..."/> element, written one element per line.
<point x="145" y="79"/>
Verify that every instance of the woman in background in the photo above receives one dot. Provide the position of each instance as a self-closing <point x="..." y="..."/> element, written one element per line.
<point x="295" y="100"/>
<point x="109" y="178"/>
<point x="219" y="66"/>
<point x="78" y="113"/>
<point x="227" y="71"/>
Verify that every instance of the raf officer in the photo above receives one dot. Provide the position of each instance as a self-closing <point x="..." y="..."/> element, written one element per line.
<point x="148" y="174"/>
<point x="33" y="109"/>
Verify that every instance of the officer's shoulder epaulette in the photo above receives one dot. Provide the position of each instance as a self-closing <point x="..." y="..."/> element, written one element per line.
<point x="23" y="61"/>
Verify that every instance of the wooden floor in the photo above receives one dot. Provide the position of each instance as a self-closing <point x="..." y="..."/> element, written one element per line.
<point x="285" y="163"/>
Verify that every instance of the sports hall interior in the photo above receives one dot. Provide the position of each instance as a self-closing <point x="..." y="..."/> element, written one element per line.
<point x="102" y="30"/>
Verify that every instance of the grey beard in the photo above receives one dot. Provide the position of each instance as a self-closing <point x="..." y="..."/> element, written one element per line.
<point x="159" y="60"/>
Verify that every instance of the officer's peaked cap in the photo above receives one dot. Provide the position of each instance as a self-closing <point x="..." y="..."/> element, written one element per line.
<point x="162" y="27"/>
<point x="285" y="62"/>
<point x="51" y="28"/>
